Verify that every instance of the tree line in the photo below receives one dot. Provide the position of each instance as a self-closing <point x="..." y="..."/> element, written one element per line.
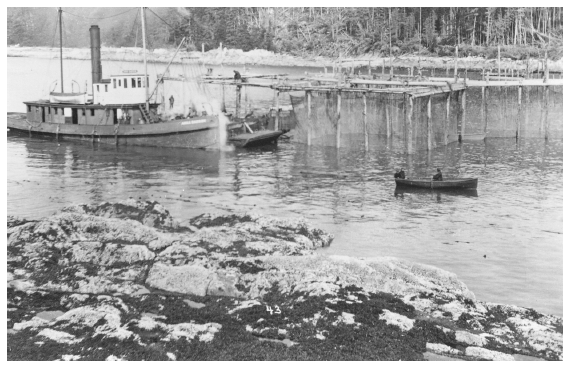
<point x="307" y="31"/>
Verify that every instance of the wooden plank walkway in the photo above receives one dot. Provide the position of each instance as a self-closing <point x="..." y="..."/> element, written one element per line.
<point x="439" y="85"/>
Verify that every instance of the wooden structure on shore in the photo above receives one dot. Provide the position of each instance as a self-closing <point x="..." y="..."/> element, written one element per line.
<point x="417" y="99"/>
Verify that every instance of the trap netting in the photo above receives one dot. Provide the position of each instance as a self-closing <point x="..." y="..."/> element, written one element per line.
<point x="387" y="114"/>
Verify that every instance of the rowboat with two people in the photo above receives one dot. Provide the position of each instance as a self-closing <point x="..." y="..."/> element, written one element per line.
<point x="429" y="183"/>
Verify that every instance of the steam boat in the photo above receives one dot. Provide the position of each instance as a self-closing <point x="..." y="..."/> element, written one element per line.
<point x="119" y="111"/>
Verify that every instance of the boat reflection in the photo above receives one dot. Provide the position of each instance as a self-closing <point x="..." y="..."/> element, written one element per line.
<point x="400" y="191"/>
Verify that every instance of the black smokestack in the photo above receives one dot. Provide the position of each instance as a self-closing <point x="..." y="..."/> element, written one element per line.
<point x="96" y="69"/>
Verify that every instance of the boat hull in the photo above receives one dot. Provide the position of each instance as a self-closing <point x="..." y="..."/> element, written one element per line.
<point x="461" y="183"/>
<point x="473" y="137"/>
<point x="200" y="132"/>
<point x="258" y="138"/>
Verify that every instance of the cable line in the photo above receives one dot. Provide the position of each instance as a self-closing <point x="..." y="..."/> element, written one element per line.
<point x="161" y="19"/>
<point x="111" y="16"/>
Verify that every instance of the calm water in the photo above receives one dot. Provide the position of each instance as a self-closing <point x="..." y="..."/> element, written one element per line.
<point x="515" y="218"/>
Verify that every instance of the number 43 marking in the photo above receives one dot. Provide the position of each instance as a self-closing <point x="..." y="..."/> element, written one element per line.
<point x="270" y="310"/>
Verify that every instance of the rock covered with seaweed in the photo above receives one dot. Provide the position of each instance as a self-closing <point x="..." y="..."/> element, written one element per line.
<point x="127" y="281"/>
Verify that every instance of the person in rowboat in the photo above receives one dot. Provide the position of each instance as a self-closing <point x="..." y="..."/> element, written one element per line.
<point x="400" y="175"/>
<point x="438" y="176"/>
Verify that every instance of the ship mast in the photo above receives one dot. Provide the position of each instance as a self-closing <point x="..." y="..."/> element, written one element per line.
<point x="144" y="57"/>
<point x="60" y="49"/>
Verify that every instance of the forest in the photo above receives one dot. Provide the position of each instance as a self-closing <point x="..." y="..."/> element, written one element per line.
<point x="307" y="31"/>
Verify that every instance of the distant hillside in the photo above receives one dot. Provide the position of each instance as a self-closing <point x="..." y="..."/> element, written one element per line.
<point x="331" y="32"/>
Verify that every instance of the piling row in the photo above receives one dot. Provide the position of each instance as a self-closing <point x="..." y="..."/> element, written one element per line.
<point x="410" y="90"/>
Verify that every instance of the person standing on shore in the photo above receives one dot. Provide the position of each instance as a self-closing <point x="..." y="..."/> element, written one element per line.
<point x="171" y="99"/>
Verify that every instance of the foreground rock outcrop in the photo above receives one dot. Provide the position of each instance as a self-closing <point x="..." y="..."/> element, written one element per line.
<point x="126" y="281"/>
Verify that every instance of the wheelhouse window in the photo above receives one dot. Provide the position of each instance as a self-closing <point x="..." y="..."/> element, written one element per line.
<point x="125" y="80"/>
<point x="83" y="112"/>
<point x="106" y="88"/>
<point x="97" y="88"/>
<point x="92" y="112"/>
<point x="133" y="83"/>
<point x="114" y="83"/>
<point x="139" y="82"/>
<point x="29" y="108"/>
<point x="119" y="82"/>
<point x="49" y="110"/>
<point x="55" y="110"/>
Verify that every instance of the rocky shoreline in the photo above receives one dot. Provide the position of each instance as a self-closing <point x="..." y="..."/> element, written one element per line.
<point x="126" y="281"/>
<point x="268" y="58"/>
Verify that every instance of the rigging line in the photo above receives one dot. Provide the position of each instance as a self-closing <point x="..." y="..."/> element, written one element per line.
<point x="134" y="24"/>
<point x="52" y="46"/>
<point x="133" y="27"/>
<point x="111" y="16"/>
<point x="156" y="15"/>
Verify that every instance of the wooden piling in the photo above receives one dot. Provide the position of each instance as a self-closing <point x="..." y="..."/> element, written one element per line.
<point x="429" y="123"/>
<point x="338" y="101"/>
<point x="484" y="108"/>
<point x="245" y="100"/>
<point x="309" y="125"/>
<point x="455" y="69"/>
<point x="546" y="108"/>
<point x="410" y="115"/>
<point x="526" y="108"/>
<point x="388" y="122"/>
<point x="503" y="107"/>
<point x="276" y="104"/>
<point x="365" y="122"/>
<point x="463" y="102"/>
<point x="446" y="124"/>
<point x="519" y="110"/>
<point x="238" y="100"/>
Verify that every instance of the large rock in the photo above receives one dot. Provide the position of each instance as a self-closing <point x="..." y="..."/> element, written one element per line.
<point x="136" y="251"/>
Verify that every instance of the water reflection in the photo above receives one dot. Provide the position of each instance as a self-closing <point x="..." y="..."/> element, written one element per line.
<point x="515" y="216"/>
<point x="400" y="191"/>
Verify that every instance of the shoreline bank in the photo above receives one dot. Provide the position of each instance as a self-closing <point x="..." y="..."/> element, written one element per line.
<point x="139" y="285"/>
<point x="267" y="58"/>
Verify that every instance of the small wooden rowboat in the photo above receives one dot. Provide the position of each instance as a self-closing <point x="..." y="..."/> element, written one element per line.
<point x="457" y="183"/>
<point x="258" y="138"/>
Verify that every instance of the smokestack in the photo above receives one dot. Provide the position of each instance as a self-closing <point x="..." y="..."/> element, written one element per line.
<point x="96" y="69"/>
